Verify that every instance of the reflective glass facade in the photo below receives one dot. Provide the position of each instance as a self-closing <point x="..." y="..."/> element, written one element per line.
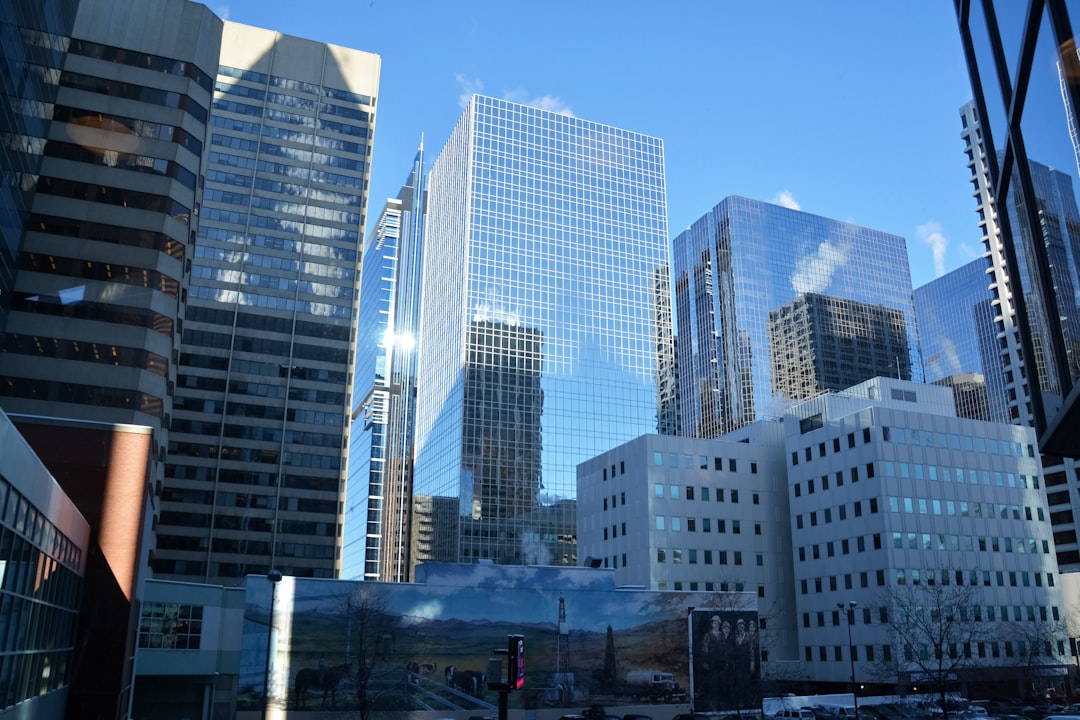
<point x="256" y="465"/>
<point x="1021" y="139"/>
<point x="776" y="305"/>
<point x="1021" y="135"/>
<point x="33" y="44"/>
<point x="375" y="543"/>
<point x="956" y="327"/>
<point x="543" y="326"/>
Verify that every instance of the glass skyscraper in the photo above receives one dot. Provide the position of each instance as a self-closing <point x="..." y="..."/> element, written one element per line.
<point x="256" y="456"/>
<point x="959" y="341"/>
<point x="545" y="326"/>
<point x="379" y="491"/>
<point x="776" y="305"/>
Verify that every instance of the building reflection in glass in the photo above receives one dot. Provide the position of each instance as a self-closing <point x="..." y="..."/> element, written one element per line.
<point x="835" y="291"/>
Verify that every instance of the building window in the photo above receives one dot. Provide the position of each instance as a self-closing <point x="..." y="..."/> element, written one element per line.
<point x="170" y="626"/>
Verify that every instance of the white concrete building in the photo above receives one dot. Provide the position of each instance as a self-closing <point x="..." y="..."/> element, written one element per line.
<point x="676" y="513"/>
<point x="879" y="487"/>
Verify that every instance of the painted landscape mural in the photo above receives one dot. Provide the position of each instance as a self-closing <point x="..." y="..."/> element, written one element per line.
<point x="384" y="648"/>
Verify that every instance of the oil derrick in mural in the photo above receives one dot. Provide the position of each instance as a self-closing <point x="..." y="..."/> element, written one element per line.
<point x="611" y="673"/>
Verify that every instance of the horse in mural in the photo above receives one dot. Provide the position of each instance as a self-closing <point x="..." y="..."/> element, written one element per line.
<point x="472" y="682"/>
<point x="324" y="679"/>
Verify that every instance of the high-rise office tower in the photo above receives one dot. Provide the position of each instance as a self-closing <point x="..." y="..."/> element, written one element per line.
<point x="959" y="341"/>
<point x="256" y="465"/>
<point x="35" y="39"/>
<point x="745" y="273"/>
<point x="379" y="492"/>
<point x="543" y="325"/>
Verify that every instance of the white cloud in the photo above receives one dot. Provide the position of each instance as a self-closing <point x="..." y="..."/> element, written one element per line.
<point x="786" y="199"/>
<point x="971" y="251"/>
<point x="223" y="12"/>
<point x="814" y="273"/>
<point x="930" y="233"/>
<point x="550" y="103"/>
<point x="469" y="87"/>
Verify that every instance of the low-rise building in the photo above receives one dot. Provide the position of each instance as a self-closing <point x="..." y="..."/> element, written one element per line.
<point x="856" y="506"/>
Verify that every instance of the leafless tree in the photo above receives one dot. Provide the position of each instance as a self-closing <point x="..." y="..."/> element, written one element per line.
<point x="1037" y="644"/>
<point x="369" y="638"/>
<point x="932" y="630"/>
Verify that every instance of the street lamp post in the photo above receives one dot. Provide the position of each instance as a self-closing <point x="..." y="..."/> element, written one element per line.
<point x="274" y="576"/>
<point x="849" y="612"/>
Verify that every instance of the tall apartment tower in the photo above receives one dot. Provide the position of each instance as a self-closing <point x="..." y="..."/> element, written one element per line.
<point x="256" y="465"/>
<point x="542" y="326"/>
<point x="959" y="341"/>
<point x="776" y="305"/>
<point x="379" y="492"/>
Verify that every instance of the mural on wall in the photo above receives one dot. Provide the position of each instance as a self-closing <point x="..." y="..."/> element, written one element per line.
<point x="372" y="647"/>
<point x="726" y="659"/>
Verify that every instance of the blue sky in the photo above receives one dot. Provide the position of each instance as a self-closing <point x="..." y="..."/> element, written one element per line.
<point x="847" y="109"/>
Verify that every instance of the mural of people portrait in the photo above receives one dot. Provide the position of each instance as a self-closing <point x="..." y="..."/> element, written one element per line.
<point x="726" y="668"/>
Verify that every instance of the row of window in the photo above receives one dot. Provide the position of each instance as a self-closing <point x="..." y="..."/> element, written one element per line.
<point x="132" y="91"/>
<point x="99" y="312"/>
<point x="121" y="160"/>
<point x="140" y="128"/>
<point x="289" y="244"/>
<point x="674" y="491"/>
<point x="963" y="508"/>
<point x="827" y="514"/>
<point x="86" y="352"/>
<point x="675" y="525"/>
<point x="295" y="172"/>
<point x="693" y="555"/>
<point x="702" y="462"/>
<point x="992" y="649"/>
<point x="923" y="438"/>
<point x="296" y="85"/>
<point x="838" y="479"/>
<point x="92" y="395"/>
<point x="254" y="455"/>
<point x="149" y="61"/>
<point x="107" y="233"/>
<point x="808" y="451"/>
<point x="288" y="304"/>
<point x="265" y="347"/>
<point x="967" y="443"/>
<point x="254" y="367"/>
